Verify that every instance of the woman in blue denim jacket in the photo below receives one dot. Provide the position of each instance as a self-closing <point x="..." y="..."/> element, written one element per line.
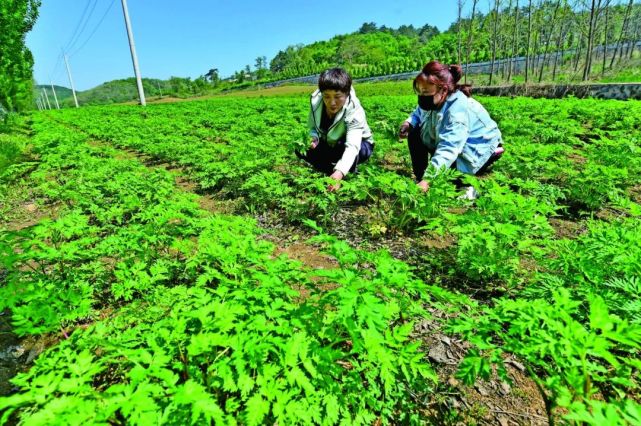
<point x="448" y="126"/>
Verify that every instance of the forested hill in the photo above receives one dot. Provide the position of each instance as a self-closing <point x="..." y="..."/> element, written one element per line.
<point x="369" y="51"/>
<point x="510" y="29"/>
<point x="114" y="91"/>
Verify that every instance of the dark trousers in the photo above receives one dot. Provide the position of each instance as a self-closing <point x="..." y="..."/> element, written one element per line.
<point x="325" y="157"/>
<point x="420" y="155"/>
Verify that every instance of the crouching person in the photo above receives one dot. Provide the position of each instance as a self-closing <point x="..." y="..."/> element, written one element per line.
<point x="340" y="137"/>
<point x="449" y="128"/>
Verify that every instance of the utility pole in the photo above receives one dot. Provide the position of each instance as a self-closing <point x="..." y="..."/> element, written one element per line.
<point x="134" y="58"/>
<point x="73" y="89"/>
<point x="46" y="97"/>
<point x="54" y="95"/>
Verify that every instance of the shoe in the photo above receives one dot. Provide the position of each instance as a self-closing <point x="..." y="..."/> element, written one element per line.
<point x="470" y="194"/>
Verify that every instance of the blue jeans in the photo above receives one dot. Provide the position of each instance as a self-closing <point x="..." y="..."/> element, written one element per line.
<point x="325" y="157"/>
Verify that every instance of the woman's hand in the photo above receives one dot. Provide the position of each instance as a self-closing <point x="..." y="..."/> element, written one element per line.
<point x="337" y="176"/>
<point x="424" y="185"/>
<point x="404" y="131"/>
<point x="313" y="143"/>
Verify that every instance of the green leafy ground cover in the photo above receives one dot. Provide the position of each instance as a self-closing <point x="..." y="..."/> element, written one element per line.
<point x="176" y="316"/>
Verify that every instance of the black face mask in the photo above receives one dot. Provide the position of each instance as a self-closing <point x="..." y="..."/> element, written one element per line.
<point x="427" y="103"/>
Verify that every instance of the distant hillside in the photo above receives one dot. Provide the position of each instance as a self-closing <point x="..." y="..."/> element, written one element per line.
<point x="115" y="91"/>
<point x="371" y="50"/>
<point x="63" y="93"/>
<point x="124" y="90"/>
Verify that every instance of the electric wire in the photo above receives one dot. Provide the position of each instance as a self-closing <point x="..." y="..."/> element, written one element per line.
<point x="75" y="31"/>
<point x="95" y="28"/>
<point x="84" y="25"/>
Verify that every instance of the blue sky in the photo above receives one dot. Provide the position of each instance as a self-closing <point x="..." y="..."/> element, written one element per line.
<point x="187" y="38"/>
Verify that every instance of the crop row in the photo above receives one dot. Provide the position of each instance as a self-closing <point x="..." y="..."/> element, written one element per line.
<point x="132" y="243"/>
<point x="173" y="315"/>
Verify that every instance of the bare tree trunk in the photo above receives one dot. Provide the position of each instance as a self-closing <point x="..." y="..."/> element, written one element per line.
<point x="501" y="48"/>
<point x="590" y="41"/>
<point x="580" y="37"/>
<point x="547" y="43"/>
<point x="563" y="31"/>
<point x="537" y="41"/>
<point x="635" y="34"/>
<point x="624" y="29"/>
<point x="515" y="41"/>
<point x="529" y="40"/>
<point x="577" y="58"/>
<point x="469" y="38"/>
<point x="605" y="36"/>
<point x="495" y="36"/>
<point x="460" y="4"/>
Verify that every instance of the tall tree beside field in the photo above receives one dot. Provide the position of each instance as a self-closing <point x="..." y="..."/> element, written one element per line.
<point x="495" y="36"/>
<point x="595" y="7"/>
<point x="566" y="20"/>
<point x="551" y="25"/>
<point x="606" y="38"/>
<point x="636" y="32"/>
<point x="624" y="29"/>
<point x="529" y="40"/>
<point x="515" y="40"/>
<point x="459" y="4"/>
<point x="17" y="18"/>
<point x="470" y="34"/>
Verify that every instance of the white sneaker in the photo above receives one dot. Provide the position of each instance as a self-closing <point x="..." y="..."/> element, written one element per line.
<point x="470" y="194"/>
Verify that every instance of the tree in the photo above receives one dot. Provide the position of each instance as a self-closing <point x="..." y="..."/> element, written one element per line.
<point x="213" y="76"/>
<point x="469" y="37"/>
<point x="240" y="76"/>
<point x="368" y="27"/>
<point x="495" y="36"/>
<point x="261" y="67"/>
<point x="459" y="4"/>
<point x="279" y="62"/>
<point x="17" y="18"/>
<point x="624" y="29"/>
<point x="515" y="41"/>
<point x="529" y="40"/>
<point x="595" y="9"/>
<point x="180" y="86"/>
<point x="426" y="33"/>
<point x="550" y="28"/>
<point x="407" y="30"/>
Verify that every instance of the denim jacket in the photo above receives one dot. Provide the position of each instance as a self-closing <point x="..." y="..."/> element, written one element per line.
<point x="461" y="131"/>
<point x="350" y="125"/>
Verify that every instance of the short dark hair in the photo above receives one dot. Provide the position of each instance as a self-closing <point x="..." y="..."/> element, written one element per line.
<point x="335" y="79"/>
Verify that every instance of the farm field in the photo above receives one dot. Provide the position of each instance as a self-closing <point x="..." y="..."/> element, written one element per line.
<point x="184" y="267"/>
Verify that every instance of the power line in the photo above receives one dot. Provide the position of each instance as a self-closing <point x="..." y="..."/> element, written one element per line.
<point x="95" y="29"/>
<point x="75" y="31"/>
<point x="55" y="67"/>
<point x="84" y="25"/>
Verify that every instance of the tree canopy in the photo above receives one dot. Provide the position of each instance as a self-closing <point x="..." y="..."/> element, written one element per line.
<point x="17" y="18"/>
